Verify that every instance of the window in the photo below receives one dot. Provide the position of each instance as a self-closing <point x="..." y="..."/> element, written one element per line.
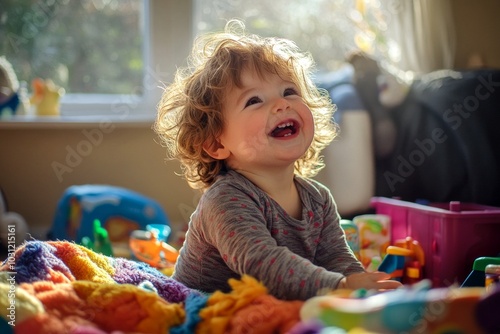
<point x="112" y="56"/>
<point x="94" y="49"/>
<point x="329" y="29"/>
<point x="89" y="47"/>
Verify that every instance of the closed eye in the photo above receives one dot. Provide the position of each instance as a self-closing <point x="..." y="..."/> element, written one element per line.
<point x="252" y="100"/>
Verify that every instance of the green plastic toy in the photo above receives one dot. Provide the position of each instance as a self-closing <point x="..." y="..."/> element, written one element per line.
<point x="101" y="243"/>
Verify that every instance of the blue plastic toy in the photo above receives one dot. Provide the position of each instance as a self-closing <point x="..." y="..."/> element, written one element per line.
<point x="119" y="210"/>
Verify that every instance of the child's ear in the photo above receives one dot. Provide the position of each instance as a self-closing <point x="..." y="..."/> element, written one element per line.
<point x="215" y="149"/>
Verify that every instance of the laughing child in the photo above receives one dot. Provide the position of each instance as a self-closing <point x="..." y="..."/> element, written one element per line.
<point x="248" y="125"/>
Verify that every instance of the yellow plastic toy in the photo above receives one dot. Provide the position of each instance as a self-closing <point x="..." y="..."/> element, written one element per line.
<point x="46" y="97"/>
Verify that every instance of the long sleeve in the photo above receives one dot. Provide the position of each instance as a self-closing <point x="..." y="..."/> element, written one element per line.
<point x="333" y="252"/>
<point x="237" y="229"/>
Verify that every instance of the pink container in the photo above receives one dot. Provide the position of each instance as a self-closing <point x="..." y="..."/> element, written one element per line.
<point x="452" y="235"/>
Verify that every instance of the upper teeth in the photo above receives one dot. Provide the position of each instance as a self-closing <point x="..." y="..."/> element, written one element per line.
<point x="284" y="125"/>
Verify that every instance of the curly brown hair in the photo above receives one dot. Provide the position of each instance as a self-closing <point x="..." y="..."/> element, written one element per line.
<point x="190" y="110"/>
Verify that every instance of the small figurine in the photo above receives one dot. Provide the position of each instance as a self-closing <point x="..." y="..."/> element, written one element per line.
<point x="46" y="96"/>
<point x="12" y="94"/>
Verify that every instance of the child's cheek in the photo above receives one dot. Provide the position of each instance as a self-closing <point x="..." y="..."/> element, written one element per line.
<point x="253" y="144"/>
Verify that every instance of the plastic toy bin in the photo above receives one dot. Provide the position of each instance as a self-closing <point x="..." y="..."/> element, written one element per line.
<point x="452" y="235"/>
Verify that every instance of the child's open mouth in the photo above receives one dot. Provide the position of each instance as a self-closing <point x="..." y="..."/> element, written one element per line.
<point x="285" y="129"/>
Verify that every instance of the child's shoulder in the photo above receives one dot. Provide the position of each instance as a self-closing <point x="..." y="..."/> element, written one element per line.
<point x="315" y="188"/>
<point x="230" y="183"/>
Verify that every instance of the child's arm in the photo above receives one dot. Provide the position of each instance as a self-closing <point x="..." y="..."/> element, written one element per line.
<point x="333" y="252"/>
<point x="356" y="277"/>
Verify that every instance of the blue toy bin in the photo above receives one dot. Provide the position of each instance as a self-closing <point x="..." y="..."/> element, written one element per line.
<point x="119" y="210"/>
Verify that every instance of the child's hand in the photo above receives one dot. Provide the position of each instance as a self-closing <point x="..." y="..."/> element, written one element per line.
<point x="375" y="280"/>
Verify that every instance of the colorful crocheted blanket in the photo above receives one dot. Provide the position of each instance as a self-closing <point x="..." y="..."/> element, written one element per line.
<point x="62" y="287"/>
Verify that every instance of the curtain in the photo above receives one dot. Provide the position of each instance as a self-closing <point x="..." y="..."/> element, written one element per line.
<point x="424" y="31"/>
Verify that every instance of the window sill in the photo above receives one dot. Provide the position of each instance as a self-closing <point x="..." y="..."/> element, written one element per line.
<point x="75" y="122"/>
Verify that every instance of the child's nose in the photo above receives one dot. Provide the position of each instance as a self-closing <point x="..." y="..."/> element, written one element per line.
<point x="281" y="104"/>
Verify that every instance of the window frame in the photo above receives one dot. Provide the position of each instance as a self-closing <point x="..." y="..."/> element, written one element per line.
<point x="168" y="35"/>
